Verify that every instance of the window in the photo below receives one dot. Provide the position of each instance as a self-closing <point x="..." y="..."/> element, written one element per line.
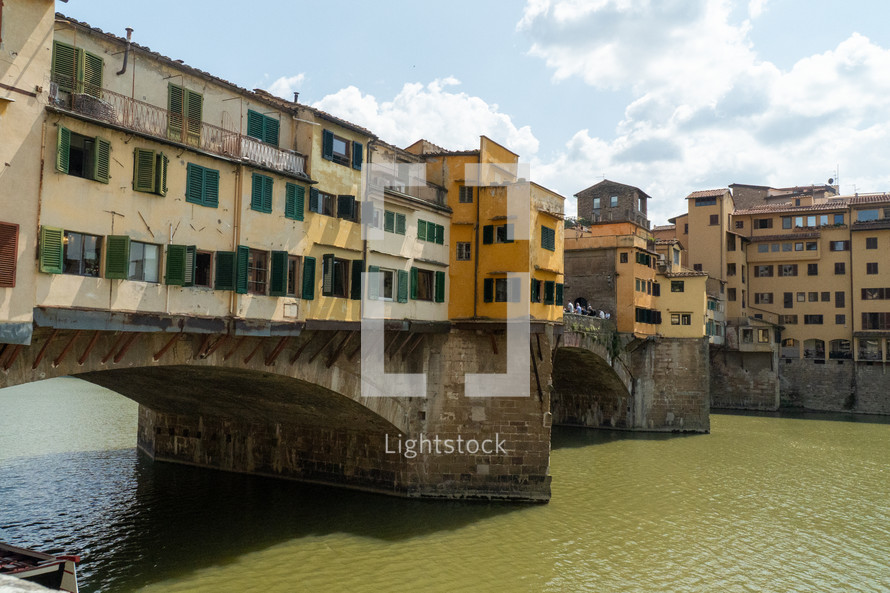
<point x="323" y="203"/>
<point x="613" y="201"/>
<point x="677" y="286"/>
<point x="763" y="271"/>
<point x="346" y="208"/>
<point x="381" y="283"/>
<point x="76" y="70"/>
<point x="730" y="294"/>
<point x="422" y="284"/>
<point x="150" y="171"/>
<point x="840" y="299"/>
<point x="876" y="321"/>
<point x="596" y="203"/>
<point x="812" y="320"/>
<point x="714" y="219"/>
<point x="787" y="222"/>
<point x="763" y="336"/>
<point x="505" y="290"/>
<point x="145" y="260"/>
<point x="465" y="194"/>
<point x="813" y="297"/>
<point x="839" y="246"/>
<point x="747" y="335"/>
<point x="262" y="127"/>
<point x="763" y="298"/>
<point x="644" y="259"/>
<point x="257" y="271"/>
<point x="622" y="257"/>
<point x="340" y="150"/>
<point x="763" y="248"/>
<point x="293" y="275"/>
<point x="294" y="201"/>
<point x="871" y="242"/>
<point x="9" y="241"/>
<point x="261" y="193"/>
<point x="463" y="251"/>
<point x="548" y="238"/>
<point x="685" y="319"/>
<point x="335" y="276"/>
<point x="730" y="242"/>
<point x="705" y="201"/>
<point x="185" y="111"/>
<point x="774" y="247"/>
<point x="866" y="215"/>
<point x="798" y="246"/>
<point x="432" y="232"/>
<point x="825" y="297"/>
<point x="788" y="270"/>
<point x="763" y="223"/>
<point x="871" y="267"/>
<point x="81" y="254"/>
<point x="649" y="316"/>
<point x="641" y="204"/>
<point x="812" y="269"/>
<point x="840" y="268"/>
<point x="536" y="290"/>
<point x="788" y="319"/>
<point x="788" y="300"/>
<point x="801" y="297"/>
<point x="82" y="156"/>
<point x="696" y="267"/>
<point x="686" y="228"/>
<point x="787" y="247"/>
<point x="202" y="186"/>
<point x="740" y="224"/>
<point x="869" y="349"/>
<point x="730" y="269"/>
<point x="394" y="222"/>
<point x="497" y="234"/>
<point x="838" y="219"/>
<point x="203" y="264"/>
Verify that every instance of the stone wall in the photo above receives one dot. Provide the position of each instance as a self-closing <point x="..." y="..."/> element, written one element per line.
<point x="627" y="208"/>
<point x="744" y="380"/>
<point x="590" y="274"/>
<point x="835" y="385"/>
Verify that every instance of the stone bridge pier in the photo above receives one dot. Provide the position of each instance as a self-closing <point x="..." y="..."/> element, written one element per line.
<point x="609" y="380"/>
<point x="285" y="400"/>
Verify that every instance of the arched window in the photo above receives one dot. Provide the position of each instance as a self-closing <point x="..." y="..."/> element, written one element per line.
<point x="814" y="348"/>
<point x="869" y="349"/>
<point x="840" y="349"/>
<point x="790" y="348"/>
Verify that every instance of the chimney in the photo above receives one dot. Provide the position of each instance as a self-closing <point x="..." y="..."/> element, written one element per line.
<point x="296" y="96"/>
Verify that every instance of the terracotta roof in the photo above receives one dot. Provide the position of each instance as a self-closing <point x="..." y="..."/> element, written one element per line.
<point x="869" y="199"/>
<point x="685" y="274"/>
<point x="666" y="241"/>
<point x="707" y="193"/>
<point x="664" y="227"/>
<point x="787" y="237"/>
<point x="835" y="204"/>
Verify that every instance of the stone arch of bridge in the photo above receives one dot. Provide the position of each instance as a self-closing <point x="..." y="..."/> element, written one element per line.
<point x="588" y="389"/>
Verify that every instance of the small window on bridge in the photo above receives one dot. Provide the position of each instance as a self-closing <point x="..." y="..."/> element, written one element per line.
<point x="203" y="261"/>
<point x="293" y="275"/>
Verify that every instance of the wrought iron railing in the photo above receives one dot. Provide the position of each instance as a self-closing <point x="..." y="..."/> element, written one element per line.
<point x="139" y="116"/>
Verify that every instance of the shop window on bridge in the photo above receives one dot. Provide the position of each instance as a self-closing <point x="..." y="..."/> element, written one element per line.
<point x="501" y="290"/>
<point x="68" y="252"/>
<point x="143" y="263"/>
<point x="83" y="156"/>
<point x="869" y="349"/>
<point x="9" y="241"/>
<point x="790" y="348"/>
<point x="293" y="276"/>
<point x="335" y="276"/>
<point x="76" y="70"/>
<point x="536" y="290"/>
<point x="381" y="283"/>
<point x="150" y="171"/>
<point x="203" y="268"/>
<point x="814" y="348"/>
<point x="502" y="233"/>
<point x="840" y="350"/>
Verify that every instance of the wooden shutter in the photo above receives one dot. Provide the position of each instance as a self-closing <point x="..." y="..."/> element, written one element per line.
<point x="175" y="105"/>
<point x="488" y="290"/>
<point x="224" y="275"/>
<point x="9" y="237"/>
<point x="327" y="145"/>
<point x="440" y="287"/>
<point x="355" y="285"/>
<point x="414" y="283"/>
<point x="314" y="200"/>
<point x="254" y="124"/>
<point x="357" y="155"/>
<point x="487" y="234"/>
<point x="389" y="221"/>
<point x="327" y="274"/>
<point x="92" y="74"/>
<point x="267" y="194"/>
<point x="440" y="234"/>
<point x="558" y="298"/>
<point x="190" y="257"/>
<point x="278" y="274"/>
<point x="242" y="259"/>
<point x="51" y="250"/>
<point x="161" y="174"/>
<point x="175" y="267"/>
<point x="194" y="112"/>
<point x="117" y="257"/>
<point x="400" y="224"/>
<point x="64" y="65"/>
<point x="308" y="278"/>
<point x="373" y="277"/>
<point x="211" y="188"/>
<point x="421" y="230"/>
<point x="534" y="290"/>
<point x="403" y="286"/>
<point x="102" y="160"/>
<point x="63" y="149"/>
<point x="143" y="170"/>
<point x="261" y="193"/>
<point x="294" y="201"/>
<point x="270" y="131"/>
<point x="194" y="184"/>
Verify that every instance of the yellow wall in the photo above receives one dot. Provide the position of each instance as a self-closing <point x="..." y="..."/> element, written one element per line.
<point x="692" y="301"/>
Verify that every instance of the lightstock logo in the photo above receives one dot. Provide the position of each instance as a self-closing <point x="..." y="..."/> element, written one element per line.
<point x="497" y="184"/>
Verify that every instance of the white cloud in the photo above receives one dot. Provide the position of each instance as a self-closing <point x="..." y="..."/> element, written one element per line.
<point x="285" y="86"/>
<point x="454" y="120"/>
<point x="756" y="8"/>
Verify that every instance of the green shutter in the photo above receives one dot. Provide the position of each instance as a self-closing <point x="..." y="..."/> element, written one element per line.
<point x="421" y="230"/>
<point x="190" y="256"/>
<point x="254" y="124"/>
<point x="102" y="160"/>
<point x="327" y="274"/>
<point x="63" y="149"/>
<point x="175" y="104"/>
<point x="278" y="274"/>
<point x="92" y="74"/>
<point x="440" y="287"/>
<point x="294" y="201"/>
<point x="161" y="174"/>
<point x="373" y="283"/>
<point x="440" y="234"/>
<point x="117" y="257"/>
<point x="314" y="200"/>
<point x="356" y="155"/>
<point x="487" y="234"/>
<point x="346" y="207"/>
<point x="558" y="298"/>
<point x="327" y="145"/>
<point x="225" y="271"/>
<point x="400" y="224"/>
<point x="270" y="134"/>
<point x="194" y="184"/>
<point x="308" y="278"/>
<point x="267" y="194"/>
<point x="403" y="286"/>
<point x="389" y="221"/>
<point x="256" y="192"/>
<point x="414" y="283"/>
<point x="143" y="170"/>
<point x="51" y="250"/>
<point x="194" y="111"/>
<point x="175" y="265"/>
<point x="64" y="65"/>
<point x="548" y="292"/>
<point x="534" y="291"/>
<point x="488" y="290"/>
<point x="211" y="188"/>
<point x="355" y="287"/>
<point x="241" y="263"/>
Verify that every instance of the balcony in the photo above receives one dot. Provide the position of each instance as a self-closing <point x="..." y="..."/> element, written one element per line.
<point x="151" y="120"/>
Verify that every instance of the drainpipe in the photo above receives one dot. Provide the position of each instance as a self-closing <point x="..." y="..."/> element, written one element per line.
<point x="126" y="50"/>
<point x="476" y="239"/>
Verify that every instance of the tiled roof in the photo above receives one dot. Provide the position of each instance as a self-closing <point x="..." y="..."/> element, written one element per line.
<point x="835" y="204"/>
<point x="869" y="199"/>
<point x="666" y="241"/>
<point x="707" y="193"/>
<point x="685" y="274"/>
<point x="664" y="227"/>
<point x="786" y="237"/>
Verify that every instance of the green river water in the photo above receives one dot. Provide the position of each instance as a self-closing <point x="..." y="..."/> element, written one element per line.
<point x="763" y="503"/>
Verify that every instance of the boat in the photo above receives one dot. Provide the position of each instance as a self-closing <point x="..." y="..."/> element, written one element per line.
<point x="52" y="572"/>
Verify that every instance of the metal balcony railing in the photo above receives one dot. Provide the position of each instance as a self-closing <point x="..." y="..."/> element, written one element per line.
<point x="139" y="116"/>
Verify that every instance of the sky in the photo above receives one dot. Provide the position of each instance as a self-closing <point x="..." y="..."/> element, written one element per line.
<point x="671" y="96"/>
